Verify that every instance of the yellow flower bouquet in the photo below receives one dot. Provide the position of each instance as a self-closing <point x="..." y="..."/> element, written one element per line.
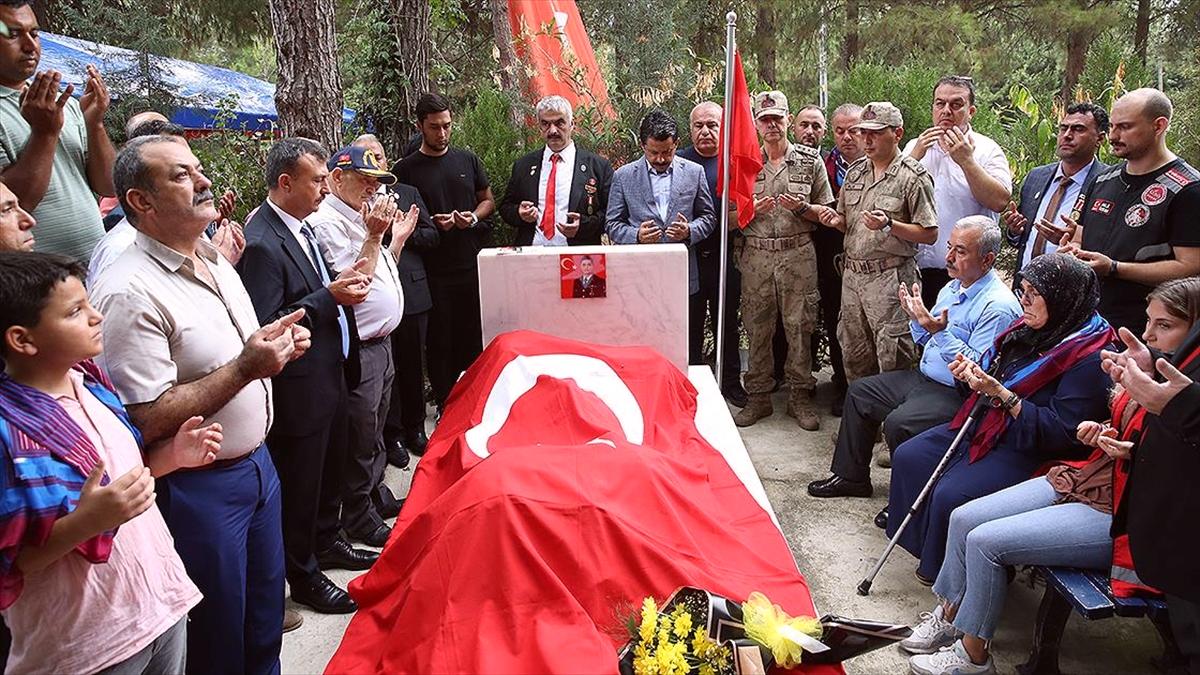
<point x="695" y="632"/>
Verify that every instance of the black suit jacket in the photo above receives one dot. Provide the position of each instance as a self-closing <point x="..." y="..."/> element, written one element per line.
<point x="1033" y="189"/>
<point x="411" y="266"/>
<point x="589" y="195"/>
<point x="280" y="279"/>
<point x="1160" y="508"/>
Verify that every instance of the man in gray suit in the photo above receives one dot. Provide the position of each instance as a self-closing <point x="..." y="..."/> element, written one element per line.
<point x="661" y="198"/>
<point x="1049" y="191"/>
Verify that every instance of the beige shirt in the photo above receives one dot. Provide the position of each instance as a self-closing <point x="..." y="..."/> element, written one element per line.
<point x="165" y="326"/>
<point x="904" y="192"/>
<point x="800" y="173"/>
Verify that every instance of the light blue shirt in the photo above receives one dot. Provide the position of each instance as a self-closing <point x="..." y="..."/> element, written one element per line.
<point x="660" y="184"/>
<point x="975" y="316"/>
<point x="1074" y="187"/>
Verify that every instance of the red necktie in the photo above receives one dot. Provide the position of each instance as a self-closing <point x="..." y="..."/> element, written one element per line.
<point x="548" y="211"/>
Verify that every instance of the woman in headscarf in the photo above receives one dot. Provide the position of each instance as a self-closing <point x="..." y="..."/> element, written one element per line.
<point x="1042" y="379"/>
<point x="1062" y="518"/>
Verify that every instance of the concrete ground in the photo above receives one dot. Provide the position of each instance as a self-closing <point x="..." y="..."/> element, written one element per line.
<point x="835" y="544"/>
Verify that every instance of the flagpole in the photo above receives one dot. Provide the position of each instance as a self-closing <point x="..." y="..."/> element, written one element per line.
<point x="730" y="29"/>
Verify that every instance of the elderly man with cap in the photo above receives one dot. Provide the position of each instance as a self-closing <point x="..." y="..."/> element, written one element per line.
<point x="779" y="265"/>
<point x="886" y="209"/>
<point x="351" y="224"/>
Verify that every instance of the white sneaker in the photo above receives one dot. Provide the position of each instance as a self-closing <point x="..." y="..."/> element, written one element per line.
<point x="950" y="661"/>
<point x="931" y="634"/>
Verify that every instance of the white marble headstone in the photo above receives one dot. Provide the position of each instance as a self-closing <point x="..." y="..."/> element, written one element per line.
<point x="646" y="302"/>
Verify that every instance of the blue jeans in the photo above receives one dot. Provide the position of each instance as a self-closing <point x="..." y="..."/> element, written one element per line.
<point x="1020" y="525"/>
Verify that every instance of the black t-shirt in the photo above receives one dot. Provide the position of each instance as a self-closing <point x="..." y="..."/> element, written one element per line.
<point x="449" y="183"/>
<point x="1138" y="218"/>
<point x="713" y="241"/>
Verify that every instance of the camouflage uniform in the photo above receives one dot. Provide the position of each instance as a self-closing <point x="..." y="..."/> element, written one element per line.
<point x="872" y="327"/>
<point x="779" y="270"/>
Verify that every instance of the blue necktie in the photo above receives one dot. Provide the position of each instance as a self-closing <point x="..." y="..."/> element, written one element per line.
<point x="343" y="325"/>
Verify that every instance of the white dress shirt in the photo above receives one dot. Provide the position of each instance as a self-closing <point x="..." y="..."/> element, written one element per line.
<point x="952" y="195"/>
<point x="109" y="248"/>
<point x="562" y="194"/>
<point x="1074" y="187"/>
<point x="342" y="232"/>
<point x="293" y="225"/>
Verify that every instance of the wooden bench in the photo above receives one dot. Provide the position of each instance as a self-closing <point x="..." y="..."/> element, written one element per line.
<point x="1088" y="594"/>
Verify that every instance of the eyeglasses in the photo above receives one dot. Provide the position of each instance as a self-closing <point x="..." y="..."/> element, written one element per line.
<point x="1026" y="296"/>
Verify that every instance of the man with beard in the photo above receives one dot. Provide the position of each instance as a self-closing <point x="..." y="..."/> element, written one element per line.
<point x="1137" y="222"/>
<point x="1050" y="191"/>
<point x="557" y="195"/>
<point x="704" y="125"/>
<point x="454" y="185"/>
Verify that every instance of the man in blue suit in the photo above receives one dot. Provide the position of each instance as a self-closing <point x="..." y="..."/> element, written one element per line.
<point x="1049" y="191"/>
<point x="661" y="198"/>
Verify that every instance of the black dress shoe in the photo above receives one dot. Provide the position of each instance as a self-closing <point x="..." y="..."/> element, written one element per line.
<point x="391" y="509"/>
<point x="416" y="442"/>
<point x="376" y="538"/>
<point x="322" y="595"/>
<point x="341" y="556"/>
<point x="397" y="454"/>
<point x="736" y="394"/>
<point x="836" y="486"/>
<point x="881" y="520"/>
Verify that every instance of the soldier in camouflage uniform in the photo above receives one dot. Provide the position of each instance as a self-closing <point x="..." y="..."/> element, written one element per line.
<point x="779" y="265"/>
<point x="885" y="208"/>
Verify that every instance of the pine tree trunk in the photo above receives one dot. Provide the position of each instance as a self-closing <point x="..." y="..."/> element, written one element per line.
<point x="1141" y="30"/>
<point x="409" y="21"/>
<point x="1077" y="46"/>
<point x="308" y="96"/>
<point x="511" y="79"/>
<point x="850" y="46"/>
<point x="766" y="35"/>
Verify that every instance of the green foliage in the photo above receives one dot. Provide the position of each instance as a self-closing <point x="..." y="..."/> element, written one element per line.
<point x="234" y="158"/>
<point x="484" y="127"/>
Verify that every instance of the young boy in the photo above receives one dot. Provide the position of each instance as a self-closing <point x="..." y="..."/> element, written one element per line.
<point x="89" y="577"/>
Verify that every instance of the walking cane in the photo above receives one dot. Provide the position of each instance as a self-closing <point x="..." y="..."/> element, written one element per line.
<point x="864" y="587"/>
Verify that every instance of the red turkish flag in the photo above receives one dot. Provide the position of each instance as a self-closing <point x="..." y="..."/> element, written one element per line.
<point x="745" y="156"/>
<point x="565" y="482"/>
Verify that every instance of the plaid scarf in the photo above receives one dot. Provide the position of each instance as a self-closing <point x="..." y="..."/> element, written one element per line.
<point x="1093" y="336"/>
<point x="48" y="460"/>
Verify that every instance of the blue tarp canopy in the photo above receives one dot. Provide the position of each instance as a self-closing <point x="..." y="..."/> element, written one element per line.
<point x="204" y="89"/>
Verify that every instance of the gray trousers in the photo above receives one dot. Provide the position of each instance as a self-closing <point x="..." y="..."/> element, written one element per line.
<point x="167" y="655"/>
<point x="366" y="460"/>
<point x="905" y="402"/>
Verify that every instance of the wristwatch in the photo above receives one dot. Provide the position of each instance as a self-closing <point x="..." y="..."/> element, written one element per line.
<point x="1007" y="403"/>
<point x="474" y="219"/>
<point x="887" y="227"/>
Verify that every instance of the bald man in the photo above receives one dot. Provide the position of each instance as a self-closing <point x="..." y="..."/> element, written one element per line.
<point x="1136" y="225"/>
<point x="704" y="125"/>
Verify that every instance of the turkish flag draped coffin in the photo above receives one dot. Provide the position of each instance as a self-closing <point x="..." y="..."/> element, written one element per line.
<point x="565" y="482"/>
